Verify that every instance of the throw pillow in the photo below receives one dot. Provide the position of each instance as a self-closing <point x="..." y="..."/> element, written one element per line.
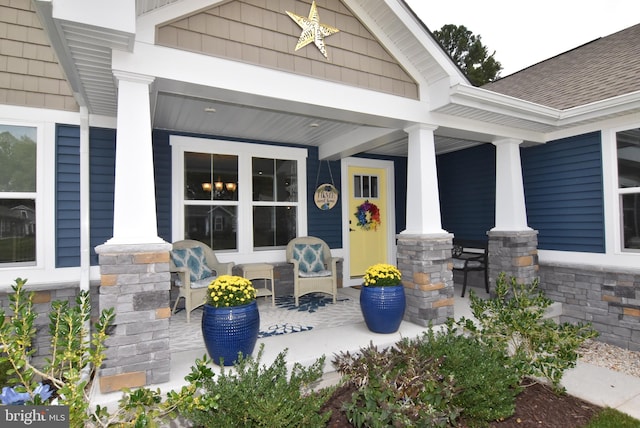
<point x="192" y="258"/>
<point x="309" y="257"/>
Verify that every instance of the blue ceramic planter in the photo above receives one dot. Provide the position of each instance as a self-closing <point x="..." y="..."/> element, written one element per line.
<point x="382" y="307"/>
<point x="228" y="331"/>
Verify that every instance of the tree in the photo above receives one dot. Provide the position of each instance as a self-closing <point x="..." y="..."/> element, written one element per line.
<point x="469" y="53"/>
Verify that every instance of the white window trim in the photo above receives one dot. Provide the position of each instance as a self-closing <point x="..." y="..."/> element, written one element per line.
<point x="245" y="151"/>
<point x="616" y="192"/>
<point x="39" y="198"/>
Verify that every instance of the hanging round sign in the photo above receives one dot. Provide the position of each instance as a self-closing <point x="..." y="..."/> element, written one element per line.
<point x="326" y="196"/>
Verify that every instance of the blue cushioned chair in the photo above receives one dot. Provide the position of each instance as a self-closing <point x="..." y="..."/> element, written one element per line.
<point x="192" y="278"/>
<point x="314" y="269"/>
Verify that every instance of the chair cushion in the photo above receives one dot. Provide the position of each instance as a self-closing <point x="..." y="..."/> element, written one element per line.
<point x="319" y="274"/>
<point x="192" y="258"/>
<point x="201" y="283"/>
<point x="309" y="257"/>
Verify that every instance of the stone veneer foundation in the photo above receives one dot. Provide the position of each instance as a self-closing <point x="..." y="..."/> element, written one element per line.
<point x="135" y="281"/>
<point x="515" y="254"/>
<point x="607" y="297"/>
<point x="425" y="264"/>
<point x="43" y="296"/>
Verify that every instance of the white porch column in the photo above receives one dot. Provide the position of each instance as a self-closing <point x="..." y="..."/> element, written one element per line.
<point x="511" y="213"/>
<point x="134" y="210"/>
<point x="423" y="200"/>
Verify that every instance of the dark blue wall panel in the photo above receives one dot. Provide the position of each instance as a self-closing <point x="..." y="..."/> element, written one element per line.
<point x="162" y="171"/>
<point x="325" y="224"/>
<point x="564" y="193"/>
<point x="102" y="167"/>
<point x="67" y="196"/>
<point x="466" y="182"/>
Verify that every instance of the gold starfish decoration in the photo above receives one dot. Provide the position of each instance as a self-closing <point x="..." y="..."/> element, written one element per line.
<point x="312" y="29"/>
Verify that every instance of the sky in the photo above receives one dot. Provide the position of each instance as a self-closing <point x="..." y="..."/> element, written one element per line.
<point x="523" y="33"/>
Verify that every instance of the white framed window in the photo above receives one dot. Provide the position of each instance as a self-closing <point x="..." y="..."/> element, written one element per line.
<point x="238" y="197"/>
<point x="19" y="210"/>
<point x="365" y="186"/>
<point x="628" y="188"/>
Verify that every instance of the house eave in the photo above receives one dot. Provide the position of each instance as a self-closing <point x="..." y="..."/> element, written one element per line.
<point x="503" y="109"/>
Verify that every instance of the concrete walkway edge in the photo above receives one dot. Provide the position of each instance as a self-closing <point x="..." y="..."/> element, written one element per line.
<point x="604" y="387"/>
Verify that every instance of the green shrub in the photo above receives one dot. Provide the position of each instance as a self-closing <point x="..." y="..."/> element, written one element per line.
<point x="486" y="382"/>
<point x="74" y="350"/>
<point x="513" y="322"/>
<point x="75" y="354"/>
<point x="252" y="396"/>
<point x="6" y="379"/>
<point x="397" y="386"/>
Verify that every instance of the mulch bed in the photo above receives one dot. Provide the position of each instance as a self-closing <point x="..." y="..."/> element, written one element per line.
<point x="536" y="406"/>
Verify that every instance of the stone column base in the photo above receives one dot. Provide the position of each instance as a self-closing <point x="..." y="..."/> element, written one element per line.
<point x="135" y="281"/>
<point x="425" y="264"/>
<point x="514" y="253"/>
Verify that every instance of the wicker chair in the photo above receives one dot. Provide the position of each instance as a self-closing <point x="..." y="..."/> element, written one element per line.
<point x="314" y="269"/>
<point x="195" y="292"/>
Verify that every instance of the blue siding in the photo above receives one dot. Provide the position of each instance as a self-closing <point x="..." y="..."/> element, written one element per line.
<point x="466" y="181"/>
<point x="162" y="171"/>
<point x="67" y="196"/>
<point x="564" y="195"/>
<point x="102" y="161"/>
<point x="325" y="224"/>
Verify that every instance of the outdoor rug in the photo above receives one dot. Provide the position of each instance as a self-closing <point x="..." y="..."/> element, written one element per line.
<point x="316" y="311"/>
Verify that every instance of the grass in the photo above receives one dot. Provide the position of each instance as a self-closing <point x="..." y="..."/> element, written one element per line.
<point x="612" y="418"/>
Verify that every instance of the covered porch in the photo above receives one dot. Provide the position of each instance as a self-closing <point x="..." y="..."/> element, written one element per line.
<point x="414" y="104"/>
<point x="303" y="347"/>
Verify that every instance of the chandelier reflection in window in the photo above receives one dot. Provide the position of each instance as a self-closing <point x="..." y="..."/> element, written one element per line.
<point x="220" y="189"/>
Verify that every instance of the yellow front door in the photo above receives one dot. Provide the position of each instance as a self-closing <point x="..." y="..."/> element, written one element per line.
<point x="368" y="218"/>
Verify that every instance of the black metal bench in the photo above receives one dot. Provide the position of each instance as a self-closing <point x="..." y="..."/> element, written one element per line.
<point x="469" y="255"/>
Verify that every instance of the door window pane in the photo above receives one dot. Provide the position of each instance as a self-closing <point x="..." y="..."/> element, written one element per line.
<point x="365" y="186"/>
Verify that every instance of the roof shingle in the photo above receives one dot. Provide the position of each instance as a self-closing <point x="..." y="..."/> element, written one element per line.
<point x="601" y="69"/>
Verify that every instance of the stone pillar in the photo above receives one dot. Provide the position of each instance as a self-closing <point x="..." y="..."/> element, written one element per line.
<point x="515" y="253"/>
<point x="135" y="281"/>
<point x="425" y="264"/>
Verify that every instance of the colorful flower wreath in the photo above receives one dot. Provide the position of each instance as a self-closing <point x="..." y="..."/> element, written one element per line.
<point x="368" y="216"/>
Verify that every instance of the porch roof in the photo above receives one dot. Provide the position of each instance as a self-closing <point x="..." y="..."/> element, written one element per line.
<point x="465" y="116"/>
